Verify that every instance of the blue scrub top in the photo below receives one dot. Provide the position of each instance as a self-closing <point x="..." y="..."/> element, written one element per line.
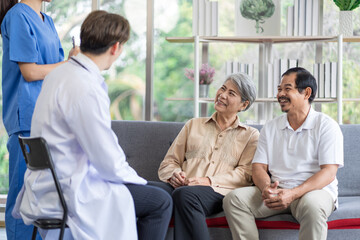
<point x="26" y="38"/>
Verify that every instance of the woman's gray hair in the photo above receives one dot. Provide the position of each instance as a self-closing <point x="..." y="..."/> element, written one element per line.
<point x="245" y="86"/>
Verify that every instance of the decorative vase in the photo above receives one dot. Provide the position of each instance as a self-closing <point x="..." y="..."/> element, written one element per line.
<point x="346" y="23"/>
<point x="203" y="90"/>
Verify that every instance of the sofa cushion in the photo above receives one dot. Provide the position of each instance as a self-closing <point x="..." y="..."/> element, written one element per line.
<point x="346" y="217"/>
<point x="348" y="176"/>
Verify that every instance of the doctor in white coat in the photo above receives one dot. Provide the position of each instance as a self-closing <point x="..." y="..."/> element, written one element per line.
<point x="105" y="196"/>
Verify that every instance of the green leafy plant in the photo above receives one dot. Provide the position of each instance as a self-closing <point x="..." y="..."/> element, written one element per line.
<point x="347" y="5"/>
<point x="257" y="10"/>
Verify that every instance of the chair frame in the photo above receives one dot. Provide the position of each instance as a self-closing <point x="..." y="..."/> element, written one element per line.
<point x="37" y="157"/>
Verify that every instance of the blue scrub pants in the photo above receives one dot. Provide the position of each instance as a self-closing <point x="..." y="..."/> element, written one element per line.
<point x="15" y="228"/>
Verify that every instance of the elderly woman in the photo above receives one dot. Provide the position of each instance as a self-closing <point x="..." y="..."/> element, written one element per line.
<point x="209" y="158"/>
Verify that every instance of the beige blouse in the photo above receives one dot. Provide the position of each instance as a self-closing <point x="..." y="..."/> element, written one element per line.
<point x="201" y="149"/>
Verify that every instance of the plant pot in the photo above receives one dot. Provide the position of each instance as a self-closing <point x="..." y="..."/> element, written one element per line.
<point x="346" y="23"/>
<point x="203" y="90"/>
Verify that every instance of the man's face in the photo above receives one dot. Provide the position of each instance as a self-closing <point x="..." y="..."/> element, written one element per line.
<point x="288" y="95"/>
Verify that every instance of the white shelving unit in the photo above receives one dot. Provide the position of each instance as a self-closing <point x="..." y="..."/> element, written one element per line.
<point x="265" y="56"/>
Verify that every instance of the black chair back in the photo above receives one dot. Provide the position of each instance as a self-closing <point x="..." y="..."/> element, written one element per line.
<point x="38" y="157"/>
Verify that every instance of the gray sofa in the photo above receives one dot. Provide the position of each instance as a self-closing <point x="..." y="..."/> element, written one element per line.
<point x="146" y="143"/>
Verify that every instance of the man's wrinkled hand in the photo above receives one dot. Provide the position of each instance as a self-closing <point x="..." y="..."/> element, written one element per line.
<point x="270" y="191"/>
<point x="282" y="200"/>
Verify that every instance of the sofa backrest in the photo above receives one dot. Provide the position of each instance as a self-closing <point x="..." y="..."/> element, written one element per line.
<point x="349" y="175"/>
<point x="146" y="143"/>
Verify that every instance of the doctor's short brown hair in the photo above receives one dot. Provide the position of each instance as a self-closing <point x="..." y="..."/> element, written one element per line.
<point x="101" y="30"/>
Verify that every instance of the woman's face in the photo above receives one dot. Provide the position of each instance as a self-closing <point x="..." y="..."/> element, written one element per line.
<point x="228" y="99"/>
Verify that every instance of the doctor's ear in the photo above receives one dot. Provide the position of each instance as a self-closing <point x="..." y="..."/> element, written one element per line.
<point x="115" y="47"/>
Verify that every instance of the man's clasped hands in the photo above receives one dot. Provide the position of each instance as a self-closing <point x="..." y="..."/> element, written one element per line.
<point x="277" y="198"/>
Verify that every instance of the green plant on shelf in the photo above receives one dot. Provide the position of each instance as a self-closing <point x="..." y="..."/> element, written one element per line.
<point x="347" y="5"/>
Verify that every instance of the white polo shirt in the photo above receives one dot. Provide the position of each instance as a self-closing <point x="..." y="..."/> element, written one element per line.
<point x="294" y="156"/>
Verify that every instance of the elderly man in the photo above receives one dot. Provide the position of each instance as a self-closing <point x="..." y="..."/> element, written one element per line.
<point x="302" y="165"/>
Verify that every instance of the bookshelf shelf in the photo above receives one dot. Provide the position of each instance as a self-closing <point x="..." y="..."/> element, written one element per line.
<point x="263" y="39"/>
<point x="261" y="100"/>
<point x="264" y="57"/>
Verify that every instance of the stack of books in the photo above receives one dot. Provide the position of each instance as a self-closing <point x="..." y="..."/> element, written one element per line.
<point x="274" y="72"/>
<point x="303" y="18"/>
<point x="237" y="67"/>
<point x="205" y="18"/>
<point x="326" y="79"/>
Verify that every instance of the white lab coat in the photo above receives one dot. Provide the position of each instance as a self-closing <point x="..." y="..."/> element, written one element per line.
<point x="72" y="114"/>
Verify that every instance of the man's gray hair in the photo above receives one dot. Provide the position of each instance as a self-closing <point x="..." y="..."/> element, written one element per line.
<point x="245" y="86"/>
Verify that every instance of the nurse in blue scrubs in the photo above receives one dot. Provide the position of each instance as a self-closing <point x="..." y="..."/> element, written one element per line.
<point x="31" y="49"/>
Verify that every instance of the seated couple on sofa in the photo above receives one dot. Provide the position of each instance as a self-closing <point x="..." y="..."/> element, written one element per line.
<point x="209" y="158"/>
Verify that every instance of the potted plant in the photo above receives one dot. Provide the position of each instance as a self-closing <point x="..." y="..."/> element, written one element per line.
<point x="345" y="16"/>
<point x="206" y="77"/>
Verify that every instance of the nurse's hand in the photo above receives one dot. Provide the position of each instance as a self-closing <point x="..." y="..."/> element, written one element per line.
<point x="74" y="51"/>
